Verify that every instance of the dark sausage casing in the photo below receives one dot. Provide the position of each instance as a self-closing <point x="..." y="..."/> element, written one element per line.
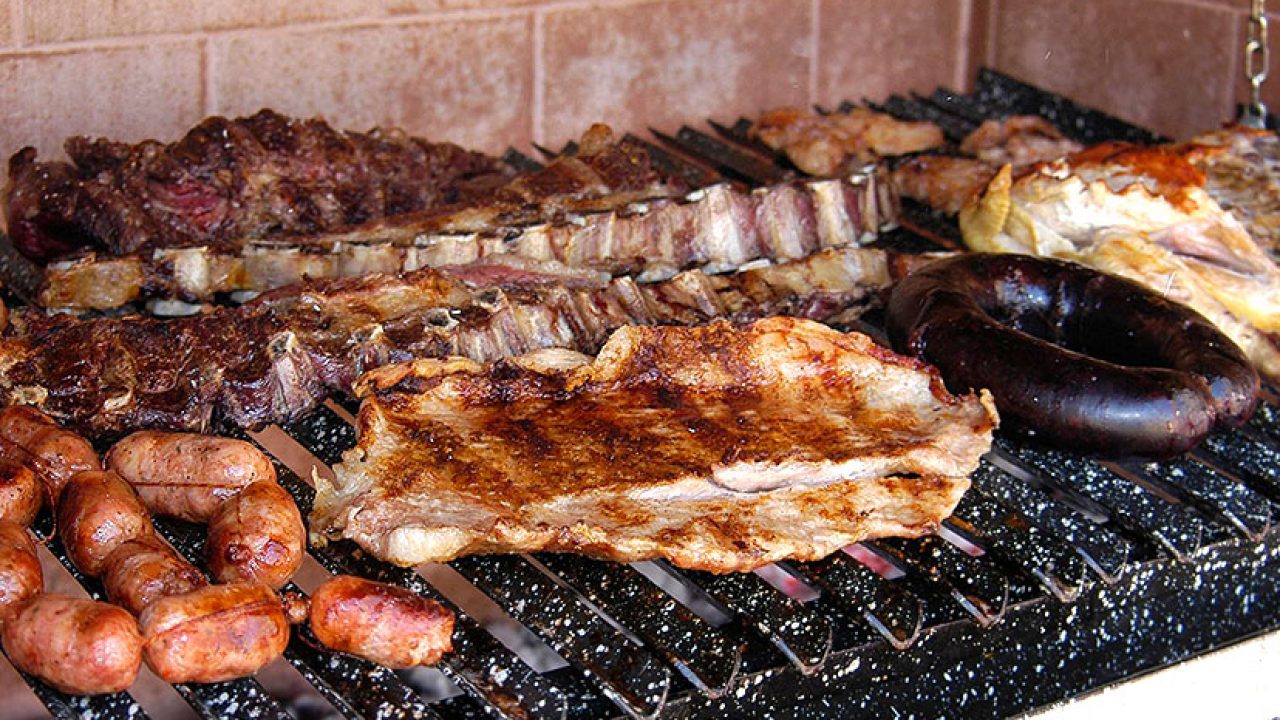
<point x="256" y="536"/>
<point x="141" y="571"/>
<point x="383" y="623"/>
<point x="98" y="513"/>
<point x="20" y="492"/>
<point x="21" y="577"/>
<point x="81" y="647"/>
<point x="1143" y="376"/>
<point x="187" y="476"/>
<point x="213" y="634"/>
<point x="57" y="455"/>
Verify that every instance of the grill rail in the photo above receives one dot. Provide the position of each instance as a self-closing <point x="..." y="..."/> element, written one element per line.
<point x="1056" y="574"/>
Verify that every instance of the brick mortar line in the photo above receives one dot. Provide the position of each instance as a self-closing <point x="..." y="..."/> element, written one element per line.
<point x="538" y="93"/>
<point x="815" y="48"/>
<point x="964" y="46"/>
<point x="19" y="19"/>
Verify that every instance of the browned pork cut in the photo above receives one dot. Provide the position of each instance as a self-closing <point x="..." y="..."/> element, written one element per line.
<point x="274" y="358"/>
<point x="717" y="447"/>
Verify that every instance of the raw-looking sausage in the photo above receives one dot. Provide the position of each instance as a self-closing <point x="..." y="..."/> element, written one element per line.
<point x="20" y="492"/>
<point x="78" y="646"/>
<point x="256" y="536"/>
<point x="98" y="513"/>
<point x="213" y="634"/>
<point x="141" y="571"/>
<point x="1080" y="359"/>
<point x="187" y="476"/>
<point x="20" y="575"/>
<point x="383" y="623"/>
<point x="57" y="455"/>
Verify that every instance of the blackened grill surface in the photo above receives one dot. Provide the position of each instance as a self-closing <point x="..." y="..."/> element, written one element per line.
<point x="1083" y="573"/>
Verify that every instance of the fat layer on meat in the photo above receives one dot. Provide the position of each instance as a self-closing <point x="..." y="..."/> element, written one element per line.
<point x="717" y="447"/>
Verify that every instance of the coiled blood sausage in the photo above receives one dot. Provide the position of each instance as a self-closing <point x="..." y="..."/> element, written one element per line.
<point x="1075" y="357"/>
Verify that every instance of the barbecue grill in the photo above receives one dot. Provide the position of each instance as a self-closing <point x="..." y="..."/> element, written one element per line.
<point x="1055" y="576"/>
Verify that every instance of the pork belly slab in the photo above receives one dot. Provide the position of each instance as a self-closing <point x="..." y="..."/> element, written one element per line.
<point x="718" y="447"/>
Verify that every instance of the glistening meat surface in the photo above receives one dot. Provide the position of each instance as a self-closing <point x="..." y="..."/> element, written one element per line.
<point x="273" y="359"/>
<point x="719" y="448"/>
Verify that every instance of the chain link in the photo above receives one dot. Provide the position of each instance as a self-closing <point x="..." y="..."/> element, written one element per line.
<point x="1257" y="58"/>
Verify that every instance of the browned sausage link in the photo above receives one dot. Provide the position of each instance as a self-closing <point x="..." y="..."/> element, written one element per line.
<point x="141" y="571"/>
<point x="256" y="536"/>
<point x="187" y="476"/>
<point x="20" y="575"/>
<point x="98" y="513"/>
<point x="57" y="454"/>
<point x="1156" y="378"/>
<point x="386" y="624"/>
<point x="20" y="492"/>
<point x="81" y="647"/>
<point x="213" y="634"/>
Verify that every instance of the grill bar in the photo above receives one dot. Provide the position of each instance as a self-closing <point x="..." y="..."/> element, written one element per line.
<point x="892" y="611"/>
<point x="1014" y="540"/>
<point x="1103" y="550"/>
<point x="1133" y="508"/>
<point x="1228" y="502"/>
<point x="802" y="635"/>
<point x="710" y="658"/>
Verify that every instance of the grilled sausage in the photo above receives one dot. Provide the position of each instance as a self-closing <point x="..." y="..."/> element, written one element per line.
<point x="143" y="570"/>
<point x="213" y="634"/>
<point x="382" y="623"/>
<point x="20" y="575"/>
<point x="78" y="646"/>
<point x="98" y="513"/>
<point x="1144" y="376"/>
<point x="20" y="492"/>
<point x="185" y="475"/>
<point x="256" y="536"/>
<point x="57" y="455"/>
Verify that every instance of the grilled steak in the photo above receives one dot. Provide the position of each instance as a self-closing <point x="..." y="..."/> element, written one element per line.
<point x="227" y="181"/>
<point x="637" y="228"/>
<point x="272" y="359"/>
<point x="716" y="448"/>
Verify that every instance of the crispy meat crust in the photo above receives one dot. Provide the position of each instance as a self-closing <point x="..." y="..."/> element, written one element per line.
<point x="718" y="448"/>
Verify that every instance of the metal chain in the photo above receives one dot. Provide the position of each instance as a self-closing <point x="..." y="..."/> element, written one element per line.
<point x="1257" y="57"/>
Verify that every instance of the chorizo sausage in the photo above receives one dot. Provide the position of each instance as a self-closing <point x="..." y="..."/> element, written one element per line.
<point x="57" y="454"/>
<point x="383" y="623"/>
<point x="20" y="492"/>
<point x="81" y="647"/>
<point x="21" y="577"/>
<point x="256" y="536"/>
<point x="140" y="571"/>
<point x="1083" y="360"/>
<point x="98" y="513"/>
<point x="187" y="476"/>
<point x="213" y="634"/>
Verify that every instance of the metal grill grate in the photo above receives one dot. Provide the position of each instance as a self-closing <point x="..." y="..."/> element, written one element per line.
<point x="1056" y="574"/>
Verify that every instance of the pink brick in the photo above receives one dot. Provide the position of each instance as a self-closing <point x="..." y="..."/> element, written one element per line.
<point x="1165" y="65"/>
<point x="124" y="93"/>
<point x="873" y="48"/>
<point x="662" y="63"/>
<point x="49" y="21"/>
<point x="467" y="81"/>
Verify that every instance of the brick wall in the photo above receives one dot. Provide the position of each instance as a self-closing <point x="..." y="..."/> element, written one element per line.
<point x="484" y="73"/>
<point x="492" y="73"/>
